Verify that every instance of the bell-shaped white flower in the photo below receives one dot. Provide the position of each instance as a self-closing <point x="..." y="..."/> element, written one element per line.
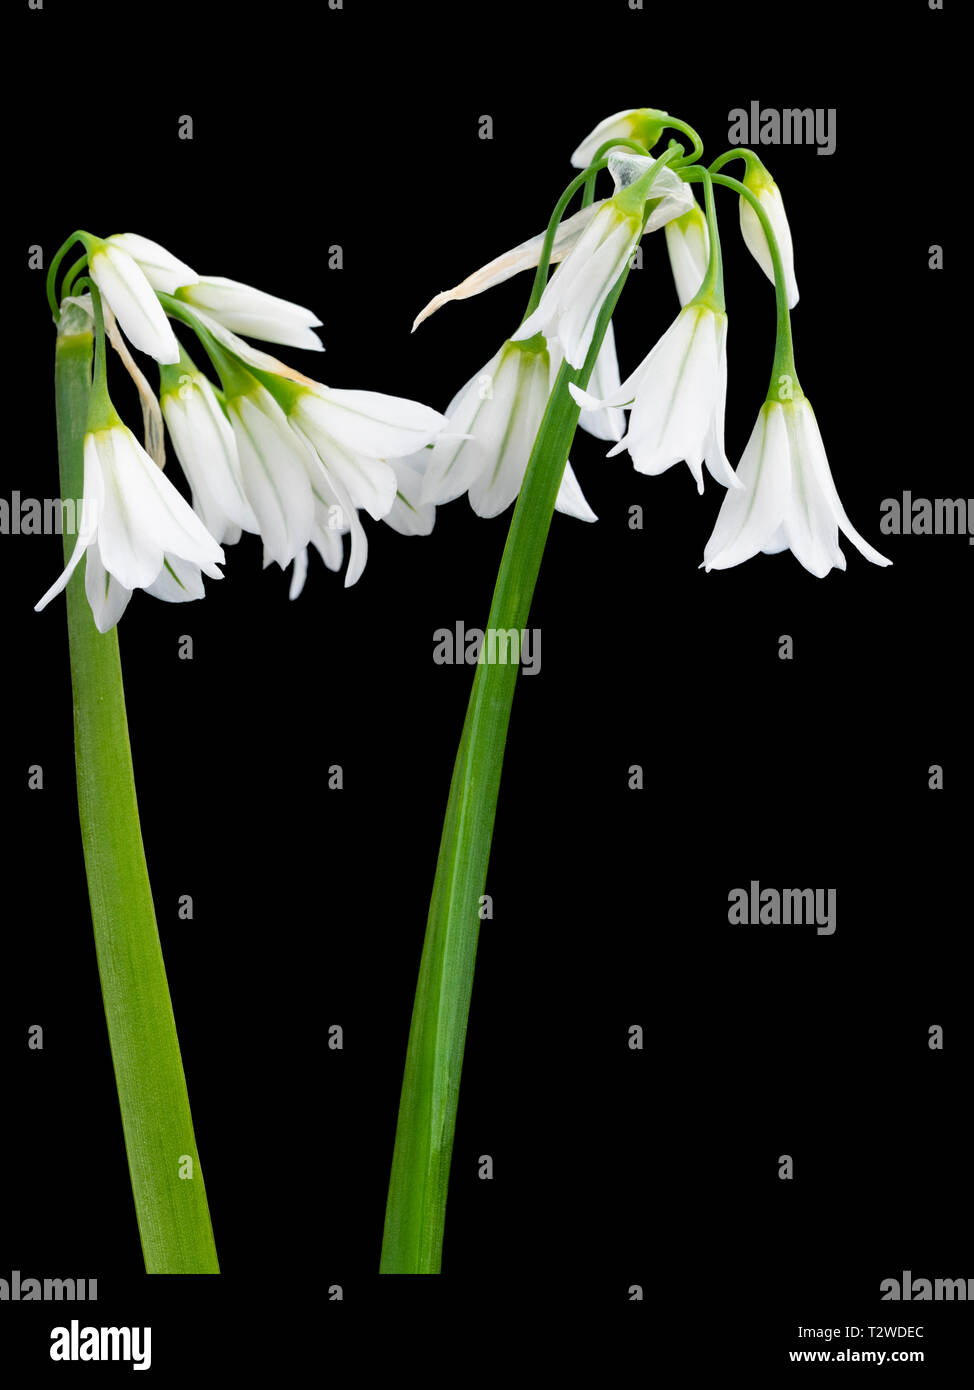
<point x="573" y="297"/>
<point x="688" y="245"/>
<point x="642" y="123"/>
<point x="275" y="467"/>
<point x="494" y="420"/>
<point x="132" y="300"/>
<point x="243" y="309"/>
<point x="356" y="433"/>
<point x="135" y="518"/>
<point x="678" y="394"/>
<point x="760" y="182"/>
<point x="788" y="501"/>
<point x="207" y="450"/>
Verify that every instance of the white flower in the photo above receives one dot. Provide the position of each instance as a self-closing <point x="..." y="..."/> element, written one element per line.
<point x="688" y="244"/>
<point x="355" y="442"/>
<point x="760" y="182"/>
<point x="243" y="309"/>
<point x="573" y="297"/>
<point x="275" y="469"/>
<point x="678" y="393"/>
<point x="643" y="124"/>
<point x="355" y="433"/>
<point x="207" y="449"/>
<point x="789" y="500"/>
<point x="136" y="521"/>
<point x="500" y="409"/>
<point x="132" y="300"/>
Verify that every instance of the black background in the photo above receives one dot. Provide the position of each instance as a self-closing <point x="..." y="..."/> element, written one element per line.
<point x="359" y="127"/>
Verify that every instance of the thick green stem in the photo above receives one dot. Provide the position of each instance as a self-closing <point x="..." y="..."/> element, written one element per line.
<point x="167" y="1180"/>
<point x="416" y="1208"/>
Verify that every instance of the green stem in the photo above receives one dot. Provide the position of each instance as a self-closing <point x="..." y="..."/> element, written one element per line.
<point x="416" y="1208"/>
<point x="173" y="1217"/>
<point x="784" y="352"/>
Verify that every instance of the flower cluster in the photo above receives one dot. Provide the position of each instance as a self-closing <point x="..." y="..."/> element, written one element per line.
<point x="267" y="450"/>
<point x="781" y="495"/>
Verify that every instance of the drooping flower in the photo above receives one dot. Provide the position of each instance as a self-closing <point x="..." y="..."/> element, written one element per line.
<point x="678" y="395"/>
<point x="243" y="309"/>
<point x="573" y="297"/>
<point x="688" y="245"/>
<point x="760" y="182"/>
<point x="131" y="297"/>
<point x="137" y="521"/>
<point x="334" y="449"/>
<point x="788" y="501"/>
<point x="494" y="420"/>
<point x="207" y="450"/>
<point x="642" y="123"/>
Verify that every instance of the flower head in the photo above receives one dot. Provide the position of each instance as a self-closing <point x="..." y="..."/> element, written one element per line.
<point x="572" y="300"/>
<point x="643" y="124"/>
<point x="788" y="501"/>
<point x="135" y="524"/>
<point x="207" y="449"/>
<point x="130" y="295"/>
<point x="678" y="394"/>
<point x="494" y="420"/>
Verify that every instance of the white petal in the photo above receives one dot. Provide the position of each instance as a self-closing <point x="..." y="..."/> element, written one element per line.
<point x="523" y="257"/>
<point x="107" y="598"/>
<point x="178" y="581"/>
<point x="688" y="245"/>
<point x="163" y="271"/>
<point x="816" y="460"/>
<point x="133" y="302"/>
<point x="571" y="500"/>
<point x="87" y="523"/>
<point x="243" y="309"/>
<point x="408" y="514"/>
<point x="367" y="422"/>
<point x="275" y="466"/>
<point x="750" y="518"/>
<point x="206" y="448"/>
<point x="608" y="423"/>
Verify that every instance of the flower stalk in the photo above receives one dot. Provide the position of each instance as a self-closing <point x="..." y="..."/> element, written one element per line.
<point x="167" y="1180"/>
<point x="416" y="1207"/>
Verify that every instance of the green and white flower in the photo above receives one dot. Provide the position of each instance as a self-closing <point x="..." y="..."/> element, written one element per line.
<point x="494" y="419"/>
<point x="678" y="395"/>
<point x="129" y="293"/>
<point x="643" y="124"/>
<point x="243" y="309"/>
<point x="760" y="182"/>
<point x="789" y="501"/>
<point x="135" y="527"/>
<point x="573" y="297"/>
<point x="207" y="450"/>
